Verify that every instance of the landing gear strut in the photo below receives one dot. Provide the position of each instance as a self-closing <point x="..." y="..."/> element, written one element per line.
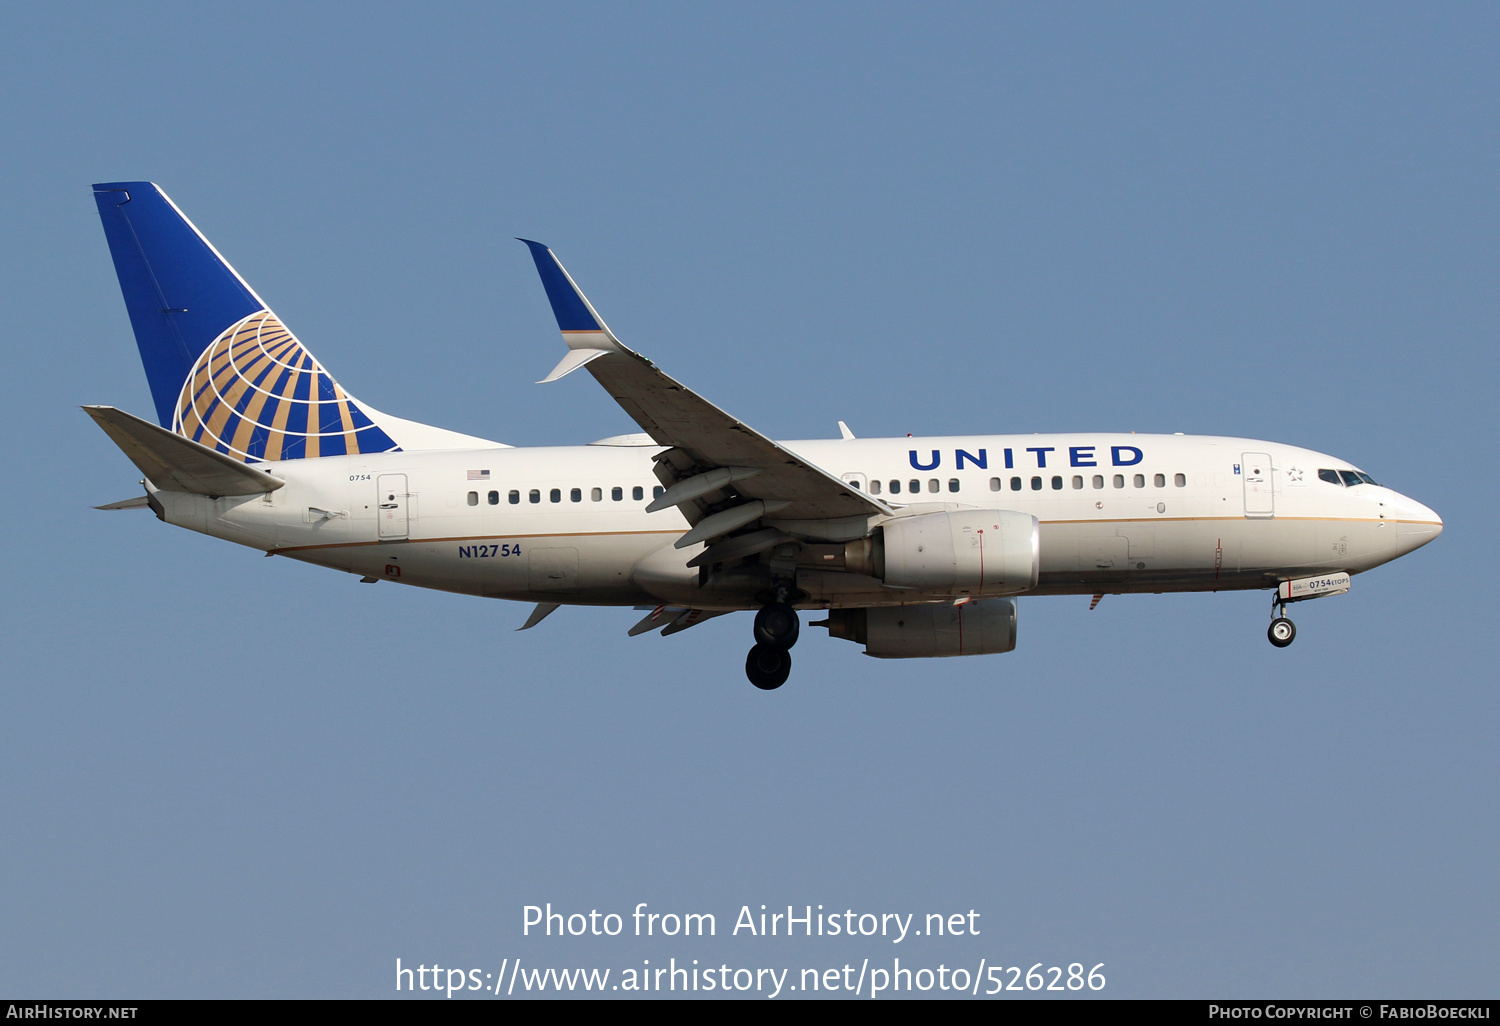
<point x="776" y="629"/>
<point x="1282" y="631"/>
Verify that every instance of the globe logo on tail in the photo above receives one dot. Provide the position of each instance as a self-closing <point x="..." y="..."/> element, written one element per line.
<point x="256" y="394"/>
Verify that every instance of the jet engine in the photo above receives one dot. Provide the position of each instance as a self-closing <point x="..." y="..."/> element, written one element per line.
<point x="965" y="552"/>
<point x="977" y="627"/>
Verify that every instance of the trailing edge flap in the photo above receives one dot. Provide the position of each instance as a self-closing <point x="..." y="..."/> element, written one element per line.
<point x="675" y="416"/>
<point x="180" y="464"/>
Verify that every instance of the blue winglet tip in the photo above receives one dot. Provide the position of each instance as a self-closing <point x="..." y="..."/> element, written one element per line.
<point x="568" y="305"/>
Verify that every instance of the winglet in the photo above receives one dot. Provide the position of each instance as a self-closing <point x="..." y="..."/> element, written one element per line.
<point x="568" y="364"/>
<point x="582" y="328"/>
<point x="569" y="305"/>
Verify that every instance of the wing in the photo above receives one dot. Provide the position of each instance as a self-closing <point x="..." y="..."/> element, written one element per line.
<point x="723" y="474"/>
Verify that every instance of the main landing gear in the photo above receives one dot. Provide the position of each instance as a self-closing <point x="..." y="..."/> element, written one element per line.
<point x="1282" y="631"/>
<point x="770" y="662"/>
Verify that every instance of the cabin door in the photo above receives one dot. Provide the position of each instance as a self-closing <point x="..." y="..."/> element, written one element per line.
<point x="391" y="506"/>
<point x="1260" y="499"/>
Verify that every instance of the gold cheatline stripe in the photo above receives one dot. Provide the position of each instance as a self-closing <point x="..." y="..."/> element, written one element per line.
<point x="466" y="538"/>
<point x="1165" y="519"/>
<point x="611" y="534"/>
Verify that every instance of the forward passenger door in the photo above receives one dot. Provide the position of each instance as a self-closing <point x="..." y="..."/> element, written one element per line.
<point x="1260" y="498"/>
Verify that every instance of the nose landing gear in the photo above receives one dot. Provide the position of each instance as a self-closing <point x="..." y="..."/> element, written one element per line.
<point x="1282" y="631"/>
<point x="776" y="630"/>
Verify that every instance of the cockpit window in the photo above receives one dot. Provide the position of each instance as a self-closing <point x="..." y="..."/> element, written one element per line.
<point x="1331" y="476"/>
<point x="1366" y="478"/>
<point x="1350" y="478"/>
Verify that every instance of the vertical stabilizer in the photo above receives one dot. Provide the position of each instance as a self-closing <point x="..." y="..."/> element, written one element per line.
<point x="223" y="370"/>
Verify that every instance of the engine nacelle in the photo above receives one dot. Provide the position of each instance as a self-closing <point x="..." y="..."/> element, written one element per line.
<point x="965" y="552"/>
<point x="978" y="627"/>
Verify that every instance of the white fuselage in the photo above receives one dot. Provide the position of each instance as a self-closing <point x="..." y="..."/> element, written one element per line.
<point x="1118" y="513"/>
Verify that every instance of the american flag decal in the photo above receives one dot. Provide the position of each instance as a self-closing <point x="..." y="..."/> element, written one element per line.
<point x="479" y="475"/>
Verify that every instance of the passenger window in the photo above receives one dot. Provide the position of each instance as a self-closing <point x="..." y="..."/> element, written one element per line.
<point x="494" y="498"/>
<point x="637" y="493"/>
<point x="1119" y="480"/>
<point x="473" y="498"/>
<point x="1331" y="476"/>
<point x="1140" y="481"/>
<point x="536" y="495"/>
<point x="953" y="484"/>
<point x="1077" y="481"/>
<point x="1180" y="480"/>
<point x="995" y="484"/>
<point x="895" y="487"/>
<point x="597" y="495"/>
<point x="1098" y="480"/>
<point x="1036" y="484"/>
<point x="914" y="486"/>
<point x="555" y="495"/>
<point x="576" y="495"/>
<point x="1057" y="482"/>
<point x="616" y="494"/>
<point x="656" y="492"/>
<point x="874" y="487"/>
<point x="1160" y="480"/>
<point x="933" y="486"/>
<point x="515" y="497"/>
<point x="1015" y="484"/>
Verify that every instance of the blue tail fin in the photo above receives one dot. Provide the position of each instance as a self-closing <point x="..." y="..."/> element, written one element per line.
<point x="223" y="370"/>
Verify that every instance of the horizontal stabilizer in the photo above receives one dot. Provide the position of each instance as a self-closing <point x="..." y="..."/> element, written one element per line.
<point x="139" y="502"/>
<point x="180" y="464"/>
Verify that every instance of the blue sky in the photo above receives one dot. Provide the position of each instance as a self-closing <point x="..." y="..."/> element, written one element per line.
<point x="231" y="776"/>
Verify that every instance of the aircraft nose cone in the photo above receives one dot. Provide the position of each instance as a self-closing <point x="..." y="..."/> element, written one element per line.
<point x="1416" y="525"/>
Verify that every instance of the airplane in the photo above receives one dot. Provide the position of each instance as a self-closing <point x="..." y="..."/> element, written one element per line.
<point x="913" y="547"/>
